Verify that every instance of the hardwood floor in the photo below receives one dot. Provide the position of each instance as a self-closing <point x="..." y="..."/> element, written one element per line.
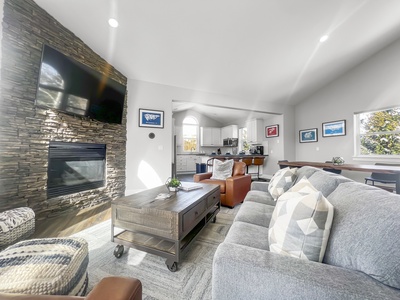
<point x="70" y="223"/>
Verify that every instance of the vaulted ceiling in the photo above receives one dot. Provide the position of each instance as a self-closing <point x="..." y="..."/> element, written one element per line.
<point x="265" y="50"/>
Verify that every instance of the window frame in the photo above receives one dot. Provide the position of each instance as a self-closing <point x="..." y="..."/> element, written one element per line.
<point x="357" y="139"/>
<point x="197" y="129"/>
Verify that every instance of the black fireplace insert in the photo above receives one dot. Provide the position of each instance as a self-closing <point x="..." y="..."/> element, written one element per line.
<point x="75" y="167"/>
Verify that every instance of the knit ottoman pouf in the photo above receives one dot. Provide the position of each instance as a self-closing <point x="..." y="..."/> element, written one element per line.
<point x="50" y="266"/>
<point x="15" y="225"/>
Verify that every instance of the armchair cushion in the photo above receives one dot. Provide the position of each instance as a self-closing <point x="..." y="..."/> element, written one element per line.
<point x="222" y="170"/>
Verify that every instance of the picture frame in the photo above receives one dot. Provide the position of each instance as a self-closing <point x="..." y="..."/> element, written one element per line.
<point x="272" y="131"/>
<point x="151" y="118"/>
<point x="334" y="128"/>
<point x="308" y="135"/>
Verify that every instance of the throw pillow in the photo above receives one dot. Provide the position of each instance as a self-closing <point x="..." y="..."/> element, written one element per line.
<point x="222" y="170"/>
<point x="301" y="223"/>
<point x="281" y="182"/>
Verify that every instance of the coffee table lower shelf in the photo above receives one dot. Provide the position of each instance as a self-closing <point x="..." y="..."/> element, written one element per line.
<point x="172" y="250"/>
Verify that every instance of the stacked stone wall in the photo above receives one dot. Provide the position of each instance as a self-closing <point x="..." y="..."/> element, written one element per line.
<point x="26" y="130"/>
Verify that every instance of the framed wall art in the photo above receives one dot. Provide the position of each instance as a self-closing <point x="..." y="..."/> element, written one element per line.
<point x="151" y="118"/>
<point x="334" y="128"/>
<point x="308" y="135"/>
<point x="272" y="131"/>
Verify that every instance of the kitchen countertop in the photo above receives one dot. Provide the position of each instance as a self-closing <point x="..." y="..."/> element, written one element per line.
<point x="236" y="155"/>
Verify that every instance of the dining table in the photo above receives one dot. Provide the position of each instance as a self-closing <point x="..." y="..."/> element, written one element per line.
<point x="384" y="169"/>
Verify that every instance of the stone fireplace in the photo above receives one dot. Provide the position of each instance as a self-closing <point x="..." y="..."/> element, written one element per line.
<point x="29" y="133"/>
<point x="75" y="167"/>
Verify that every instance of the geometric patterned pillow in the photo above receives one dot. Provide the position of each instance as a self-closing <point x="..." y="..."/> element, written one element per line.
<point x="281" y="181"/>
<point x="301" y="223"/>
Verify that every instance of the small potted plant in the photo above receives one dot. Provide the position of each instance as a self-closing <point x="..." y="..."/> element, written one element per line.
<point x="173" y="184"/>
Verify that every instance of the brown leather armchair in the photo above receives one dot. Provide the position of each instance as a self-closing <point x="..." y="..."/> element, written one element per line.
<point x="234" y="188"/>
<point x="115" y="288"/>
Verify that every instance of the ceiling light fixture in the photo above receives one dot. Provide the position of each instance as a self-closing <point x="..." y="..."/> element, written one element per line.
<point x="324" y="38"/>
<point x="113" y="23"/>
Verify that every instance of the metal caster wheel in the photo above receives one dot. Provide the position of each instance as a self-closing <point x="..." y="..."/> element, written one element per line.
<point x="173" y="267"/>
<point x="118" y="251"/>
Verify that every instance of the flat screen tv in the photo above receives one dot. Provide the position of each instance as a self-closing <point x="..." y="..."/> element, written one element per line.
<point x="73" y="88"/>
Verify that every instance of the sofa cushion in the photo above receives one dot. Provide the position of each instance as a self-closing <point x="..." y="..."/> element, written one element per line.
<point x="243" y="234"/>
<point x="301" y="223"/>
<point x="222" y="170"/>
<point x="281" y="181"/>
<point x="326" y="182"/>
<point x="306" y="171"/>
<point x="365" y="232"/>
<point x="260" y="197"/>
<point x="255" y="213"/>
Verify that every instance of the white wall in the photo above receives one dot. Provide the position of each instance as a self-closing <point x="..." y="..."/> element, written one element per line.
<point x="374" y="84"/>
<point x="148" y="161"/>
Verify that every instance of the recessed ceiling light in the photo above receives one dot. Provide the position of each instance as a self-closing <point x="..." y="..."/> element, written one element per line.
<point x="324" y="38"/>
<point x="113" y="23"/>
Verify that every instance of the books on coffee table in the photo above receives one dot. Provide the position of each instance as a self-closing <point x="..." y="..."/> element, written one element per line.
<point x="190" y="186"/>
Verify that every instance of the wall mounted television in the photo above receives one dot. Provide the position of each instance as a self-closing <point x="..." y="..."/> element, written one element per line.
<point x="71" y="87"/>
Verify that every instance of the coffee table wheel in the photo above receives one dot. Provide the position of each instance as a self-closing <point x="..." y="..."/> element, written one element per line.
<point x="214" y="219"/>
<point x="173" y="267"/>
<point x="118" y="251"/>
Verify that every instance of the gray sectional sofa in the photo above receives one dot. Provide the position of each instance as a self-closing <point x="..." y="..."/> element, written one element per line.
<point x="362" y="258"/>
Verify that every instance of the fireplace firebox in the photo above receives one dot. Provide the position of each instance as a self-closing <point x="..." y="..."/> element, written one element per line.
<point x="75" y="167"/>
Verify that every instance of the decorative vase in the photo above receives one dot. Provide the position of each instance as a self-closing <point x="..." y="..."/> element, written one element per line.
<point x="337" y="160"/>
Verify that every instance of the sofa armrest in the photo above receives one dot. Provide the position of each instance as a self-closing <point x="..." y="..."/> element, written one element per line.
<point x="201" y="176"/>
<point x="259" y="186"/>
<point x="241" y="272"/>
<point x="117" y="288"/>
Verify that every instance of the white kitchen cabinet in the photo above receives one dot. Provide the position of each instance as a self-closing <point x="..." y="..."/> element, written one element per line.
<point x="230" y="131"/>
<point x="187" y="163"/>
<point x="210" y="136"/>
<point x="255" y="131"/>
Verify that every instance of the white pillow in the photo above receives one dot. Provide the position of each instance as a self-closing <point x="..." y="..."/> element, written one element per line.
<point x="222" y="170"/>
<point x="301" y="223"/>
<point x="281" y="181"/>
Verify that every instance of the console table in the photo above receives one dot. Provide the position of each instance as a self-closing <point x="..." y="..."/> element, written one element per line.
<point x="385" y="169"/>
<point x="163" y="227"/>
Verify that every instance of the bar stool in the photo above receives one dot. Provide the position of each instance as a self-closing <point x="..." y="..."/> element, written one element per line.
<point x="248" y="161"/>
<point x="258" y="161"/>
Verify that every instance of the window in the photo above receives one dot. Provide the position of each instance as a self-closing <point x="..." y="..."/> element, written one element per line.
<point x="378" y="133"/>
<point x="243" y="144"/>
<point x="190" y="132"/>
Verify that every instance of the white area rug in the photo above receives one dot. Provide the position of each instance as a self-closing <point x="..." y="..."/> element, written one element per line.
<point x="191" y="281"/>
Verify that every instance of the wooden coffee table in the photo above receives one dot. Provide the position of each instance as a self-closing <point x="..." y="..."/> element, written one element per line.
<point x="163" y="227"/>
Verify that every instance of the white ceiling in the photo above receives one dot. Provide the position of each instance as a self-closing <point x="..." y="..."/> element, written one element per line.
<point x="264" y="50"/>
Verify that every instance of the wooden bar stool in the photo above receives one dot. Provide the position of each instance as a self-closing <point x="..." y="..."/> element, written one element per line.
<point x="258" y="161"/>
<point x="248" y="161"/>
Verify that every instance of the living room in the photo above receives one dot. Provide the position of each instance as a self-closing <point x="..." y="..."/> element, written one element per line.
<point x="138" y="162"/>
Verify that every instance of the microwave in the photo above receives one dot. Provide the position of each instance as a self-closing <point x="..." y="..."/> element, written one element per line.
<point x="230" y="142"/>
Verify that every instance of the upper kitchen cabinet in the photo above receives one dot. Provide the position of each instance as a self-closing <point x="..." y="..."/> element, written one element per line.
<point x="210" y="136"/>
<point x="230" y="131"/>
<point x="255" y="131"/>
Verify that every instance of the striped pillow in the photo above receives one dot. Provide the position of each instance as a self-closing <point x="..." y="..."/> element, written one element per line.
<point x="301" y="223"/>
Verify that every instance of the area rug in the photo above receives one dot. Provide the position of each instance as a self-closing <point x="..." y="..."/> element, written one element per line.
<point x="191" y="281"/>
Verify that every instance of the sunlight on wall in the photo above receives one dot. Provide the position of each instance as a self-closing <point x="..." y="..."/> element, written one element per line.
<point x="148" y="176"/>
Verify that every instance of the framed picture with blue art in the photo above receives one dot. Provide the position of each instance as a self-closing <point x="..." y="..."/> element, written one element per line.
<point x="308" y="135"/>
<point x="151" y="118"/>
<point x="334" y="128"/>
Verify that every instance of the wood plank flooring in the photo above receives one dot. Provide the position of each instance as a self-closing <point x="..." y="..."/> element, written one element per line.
<point x="70" y="223"/>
